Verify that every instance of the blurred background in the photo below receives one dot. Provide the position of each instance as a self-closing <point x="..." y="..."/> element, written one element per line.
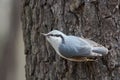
<point x="12" y="58"/>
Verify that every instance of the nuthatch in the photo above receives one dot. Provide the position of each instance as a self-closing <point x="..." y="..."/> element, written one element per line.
<point x="74" y="48"/>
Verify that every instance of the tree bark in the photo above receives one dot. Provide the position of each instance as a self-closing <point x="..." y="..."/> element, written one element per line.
<point x="95" y="19"/>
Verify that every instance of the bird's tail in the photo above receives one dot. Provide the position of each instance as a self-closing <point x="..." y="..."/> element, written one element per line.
<point x="100" y="50"/>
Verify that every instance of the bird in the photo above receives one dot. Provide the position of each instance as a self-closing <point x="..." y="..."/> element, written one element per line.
<point x="74" y="48"/>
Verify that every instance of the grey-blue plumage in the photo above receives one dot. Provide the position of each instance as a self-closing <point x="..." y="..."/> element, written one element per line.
<point x="75" y="46"/>
<point x="100" y="50"/>
<point x="71" y="47"/>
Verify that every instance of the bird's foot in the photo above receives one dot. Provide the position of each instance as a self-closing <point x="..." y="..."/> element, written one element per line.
<point x="88" y="59"/>
<point x="91" y="59"/>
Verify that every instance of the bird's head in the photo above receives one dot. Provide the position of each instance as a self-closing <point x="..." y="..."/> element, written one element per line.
<point x="55" y="37"/>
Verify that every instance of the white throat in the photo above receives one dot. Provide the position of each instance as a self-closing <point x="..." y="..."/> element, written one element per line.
<point x="55" y="42"/>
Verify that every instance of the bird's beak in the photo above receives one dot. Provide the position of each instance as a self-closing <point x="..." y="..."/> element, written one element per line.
<point x="43" y="34"/>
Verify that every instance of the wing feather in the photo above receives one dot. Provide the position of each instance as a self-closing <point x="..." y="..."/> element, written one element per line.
<point x="74" y="47"/>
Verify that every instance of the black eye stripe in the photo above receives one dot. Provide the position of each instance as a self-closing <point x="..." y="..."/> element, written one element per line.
<point x="56" y="35"/>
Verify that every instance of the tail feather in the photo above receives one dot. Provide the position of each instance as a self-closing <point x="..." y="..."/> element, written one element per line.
<point x="100" y="50"/>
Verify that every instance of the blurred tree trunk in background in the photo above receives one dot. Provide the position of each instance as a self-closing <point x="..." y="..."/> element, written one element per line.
<point x="10" y="29"/>
<point x="96" y="19"/>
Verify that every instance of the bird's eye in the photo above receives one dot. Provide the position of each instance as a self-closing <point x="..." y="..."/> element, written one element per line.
<point x="54" y="35"/>
<point x="57" y="35"/>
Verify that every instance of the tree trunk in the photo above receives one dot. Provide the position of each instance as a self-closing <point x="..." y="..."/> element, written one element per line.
<point x="95" y="19"/>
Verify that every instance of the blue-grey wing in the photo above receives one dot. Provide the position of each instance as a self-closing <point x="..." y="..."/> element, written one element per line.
<point x="97" y="48"/>
<point x="74" y="47"/>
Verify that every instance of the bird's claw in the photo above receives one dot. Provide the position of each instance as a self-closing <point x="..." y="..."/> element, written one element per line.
<point x="88" y="59"/>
